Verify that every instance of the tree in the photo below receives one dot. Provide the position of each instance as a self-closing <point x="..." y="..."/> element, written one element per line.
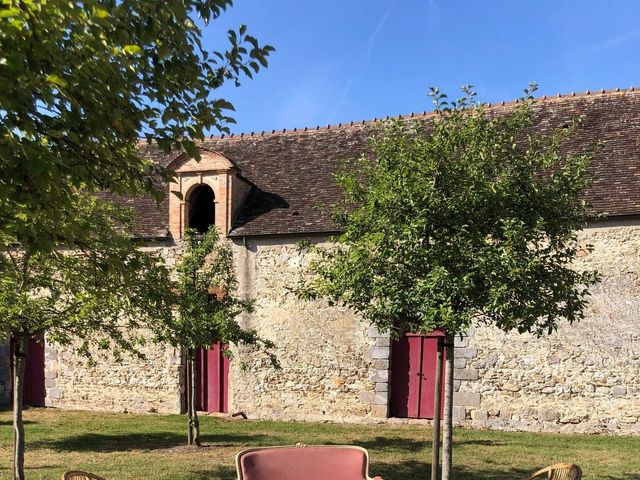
<point x="99" y="293"/>
<point x="470" y="217"/>
<point x="207" y="310"/>
<point x="81" y="81"/>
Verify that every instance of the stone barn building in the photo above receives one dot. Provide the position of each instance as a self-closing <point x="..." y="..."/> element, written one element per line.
<point x="263" y="191"/>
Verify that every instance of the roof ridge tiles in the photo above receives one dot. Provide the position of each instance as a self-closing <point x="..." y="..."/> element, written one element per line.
<point x="416" y="115"/>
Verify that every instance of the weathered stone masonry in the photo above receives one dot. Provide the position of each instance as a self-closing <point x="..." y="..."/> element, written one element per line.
<point x="334" y="367"/>
<point x="152" y="384"/>
<point x="585" y="377"/>
<point x="145" y="386"/>
<point x="328" y="357"/>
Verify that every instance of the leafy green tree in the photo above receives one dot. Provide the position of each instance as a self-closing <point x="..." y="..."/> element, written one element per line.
<point x="98" y="294"/>
<point x="469" y="217"/>
<point x="207" y="311"/>
<point x="81" y="81"/>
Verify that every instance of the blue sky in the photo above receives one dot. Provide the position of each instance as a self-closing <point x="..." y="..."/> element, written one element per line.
<point x="340" y="61"/>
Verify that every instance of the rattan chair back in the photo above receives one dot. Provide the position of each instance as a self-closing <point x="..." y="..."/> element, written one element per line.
<point x="80" y="475"/>
<point x="559" y="471"/>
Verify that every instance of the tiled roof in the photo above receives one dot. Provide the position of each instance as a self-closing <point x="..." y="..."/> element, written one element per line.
<point x="293" y="177"/>
<point x="292" y="170"/>
<point x="152" y="220"/>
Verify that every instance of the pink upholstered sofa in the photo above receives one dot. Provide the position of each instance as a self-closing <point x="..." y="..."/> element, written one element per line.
<point x="301" y="462"/>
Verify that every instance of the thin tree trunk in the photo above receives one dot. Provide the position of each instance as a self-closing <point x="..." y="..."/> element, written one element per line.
<point x="190" y="392"/>
<point x="437" y="407"/>
<point x="447" y="441"/>
<point x="19" y="353"/>
<point x="193" y="432"/>
<point x="195" y="423"/>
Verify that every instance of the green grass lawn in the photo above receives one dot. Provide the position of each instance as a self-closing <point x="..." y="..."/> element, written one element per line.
<point x="151" y="446"/>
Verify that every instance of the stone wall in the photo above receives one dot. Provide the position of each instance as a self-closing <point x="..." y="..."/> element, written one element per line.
<point x="583" y="378"/>
<point x="333" y="366"/>
<point x="152" y="384"/>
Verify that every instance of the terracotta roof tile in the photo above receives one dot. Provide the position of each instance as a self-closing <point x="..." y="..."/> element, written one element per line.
<point x="292" y="171"/>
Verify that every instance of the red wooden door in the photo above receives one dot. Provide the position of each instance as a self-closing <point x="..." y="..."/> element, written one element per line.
<point x="34" y="391"/>
<point x="212" y="380"/>
<point x="413" y="371"/>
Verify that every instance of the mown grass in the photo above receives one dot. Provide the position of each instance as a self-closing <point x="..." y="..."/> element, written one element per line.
<point x="125" y="446"/>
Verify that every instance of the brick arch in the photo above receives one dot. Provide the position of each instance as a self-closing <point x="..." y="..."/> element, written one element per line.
<point x="194" y="183"/>
<point x="213" y="170"/>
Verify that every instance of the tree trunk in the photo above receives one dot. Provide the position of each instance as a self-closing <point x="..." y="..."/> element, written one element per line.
<point x="193" y="432"/>
<point x="195" y="423"/>
<point x="189" y="395"/>
<point x="19" y="352"/>
<point x="437" y="407"/>
<point x="447" y="441"/>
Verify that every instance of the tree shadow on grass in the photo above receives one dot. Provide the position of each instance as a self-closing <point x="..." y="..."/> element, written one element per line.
<point x="485" y="443"/>
<point x="397" y="443"/>
<point x="98" y="442"/>
<point x="416" y="445"/>
<point x="413" y="470"/>
<point x="9" y="423"/>
<point x="28" y="467"/>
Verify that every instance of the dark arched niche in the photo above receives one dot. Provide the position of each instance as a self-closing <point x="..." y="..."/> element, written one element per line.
<point x="201" y="208"/>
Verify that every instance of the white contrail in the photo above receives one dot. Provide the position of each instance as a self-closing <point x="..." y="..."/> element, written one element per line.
<point x="383" y="20"/>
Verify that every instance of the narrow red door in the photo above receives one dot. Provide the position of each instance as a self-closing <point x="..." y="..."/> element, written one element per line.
<point x="212" y="374"/>
<point x="413" y="376"/>
<point x="34" y="390"/>
<point x="428" y="377"/>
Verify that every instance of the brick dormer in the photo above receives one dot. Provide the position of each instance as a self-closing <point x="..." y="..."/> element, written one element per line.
<point x="212" y="193"/>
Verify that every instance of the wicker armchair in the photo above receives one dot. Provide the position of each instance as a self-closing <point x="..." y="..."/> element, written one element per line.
<point x="79" y="475"/>
<point x="559" y="471"/>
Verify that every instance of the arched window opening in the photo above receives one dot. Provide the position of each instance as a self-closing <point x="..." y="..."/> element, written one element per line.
<point x="201" y="208"/>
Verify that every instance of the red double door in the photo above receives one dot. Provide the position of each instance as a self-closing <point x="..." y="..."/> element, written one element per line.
<point x="34" y="388"/>
<point x="413" y="372"/>
<point x="212" y="380"/>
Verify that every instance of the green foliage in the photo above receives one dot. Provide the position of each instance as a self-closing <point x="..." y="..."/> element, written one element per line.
<point x="80" y="82"/>
<point x="208" y="305"/>
<point x="100" y="291"/>
<point x="469" y="216"/>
